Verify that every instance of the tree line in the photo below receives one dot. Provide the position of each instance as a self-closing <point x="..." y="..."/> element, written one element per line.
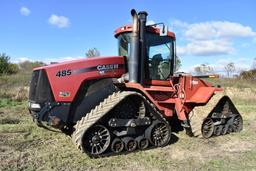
<point x="6" y="67"/>
<point x="230" y="69"/>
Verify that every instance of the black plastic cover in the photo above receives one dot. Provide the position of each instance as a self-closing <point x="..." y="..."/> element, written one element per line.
<point x="40" y="89"/>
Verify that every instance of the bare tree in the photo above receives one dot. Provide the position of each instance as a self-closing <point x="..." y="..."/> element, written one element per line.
<point x="254" y="63"/>
<point x="203" y="69"/>
<point x="230" y="68"/>
<point x="92" y="53"/>
<point x="178" y="64"/>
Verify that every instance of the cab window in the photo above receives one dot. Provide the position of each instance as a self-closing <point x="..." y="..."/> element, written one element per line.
<point x="160" y="52"/>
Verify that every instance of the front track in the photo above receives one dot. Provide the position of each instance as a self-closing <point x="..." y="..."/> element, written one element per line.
<point x="124" y="121"/>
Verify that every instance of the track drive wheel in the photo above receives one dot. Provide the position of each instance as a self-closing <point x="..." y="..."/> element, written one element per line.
<point x="159" y="133"/>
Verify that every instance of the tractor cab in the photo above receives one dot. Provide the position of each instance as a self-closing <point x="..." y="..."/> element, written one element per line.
<point x="159" y="52"/>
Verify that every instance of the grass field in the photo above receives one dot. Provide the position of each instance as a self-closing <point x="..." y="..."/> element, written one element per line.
<point x="24" y="146"/>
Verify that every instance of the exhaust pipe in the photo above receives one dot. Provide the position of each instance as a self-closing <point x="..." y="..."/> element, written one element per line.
<point x="133" y="64"/>
<point x="143" y="60"/>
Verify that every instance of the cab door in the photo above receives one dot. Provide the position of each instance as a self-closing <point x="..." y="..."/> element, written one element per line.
<point x="159" y="64"/>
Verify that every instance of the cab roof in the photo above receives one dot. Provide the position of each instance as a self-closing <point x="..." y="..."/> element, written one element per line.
<point x="152" y="29"/>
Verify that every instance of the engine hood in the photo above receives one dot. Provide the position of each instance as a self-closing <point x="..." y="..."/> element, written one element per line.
<point x="86" y="60"/>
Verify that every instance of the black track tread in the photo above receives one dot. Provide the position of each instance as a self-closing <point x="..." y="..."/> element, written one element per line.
<point x="99" y="111"/>
<point x="199" y="113"/>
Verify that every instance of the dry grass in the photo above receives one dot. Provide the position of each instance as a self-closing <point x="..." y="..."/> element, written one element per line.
<point x="15" y="86"/>
<point x="24" y="146"/>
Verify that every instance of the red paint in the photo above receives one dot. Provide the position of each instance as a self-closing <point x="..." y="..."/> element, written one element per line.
<point x="180" y="94"/>
<point x="158" y="83"/>
<point x="72" y="82"/>
<point x="151" y="29"/>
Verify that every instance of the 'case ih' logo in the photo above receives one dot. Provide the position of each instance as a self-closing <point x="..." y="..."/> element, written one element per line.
<point x="107" y="67"/>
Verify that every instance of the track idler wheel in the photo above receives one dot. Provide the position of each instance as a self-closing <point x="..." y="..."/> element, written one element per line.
<point x="142" y="142"/>
<point x="117" y="145"/>
<point x="159" y="133"/>
<point x="96" y="140"/>
<point x="130" y="144"/>
<point x="225" y="129"/>
<point x="207" y="128"/>
<point x="218" y="130"/>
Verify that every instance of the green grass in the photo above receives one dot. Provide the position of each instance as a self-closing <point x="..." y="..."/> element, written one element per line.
<point x="4" y="102"/>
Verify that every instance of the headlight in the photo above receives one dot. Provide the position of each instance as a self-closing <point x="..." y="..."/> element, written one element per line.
<point x="34" y="105"/>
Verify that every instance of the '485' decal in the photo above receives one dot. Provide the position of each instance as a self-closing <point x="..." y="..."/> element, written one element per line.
<point x="63" y="73"/>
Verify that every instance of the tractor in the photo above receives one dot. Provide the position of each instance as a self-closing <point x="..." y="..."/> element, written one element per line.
<point x="127" y="102"/>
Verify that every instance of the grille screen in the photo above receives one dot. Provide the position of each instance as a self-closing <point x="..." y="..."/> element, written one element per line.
<point x="40" y="90"/>
<point x="33" y="85"/>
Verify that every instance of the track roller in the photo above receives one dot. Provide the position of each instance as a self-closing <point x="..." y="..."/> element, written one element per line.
<point x="130" y="143"/>
<point x="225" y="129"/>
<point x="117" y="145"/>
<point x="142" y="142"/>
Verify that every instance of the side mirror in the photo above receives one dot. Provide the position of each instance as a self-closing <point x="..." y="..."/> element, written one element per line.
<point x="163" y="30"/>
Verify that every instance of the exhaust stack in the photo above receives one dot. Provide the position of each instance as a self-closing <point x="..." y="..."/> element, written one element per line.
<point x="137" y="61"/>
<point x="133" y="64"/>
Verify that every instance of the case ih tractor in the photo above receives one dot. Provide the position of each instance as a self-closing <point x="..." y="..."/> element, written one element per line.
<point x="126" y="102"/>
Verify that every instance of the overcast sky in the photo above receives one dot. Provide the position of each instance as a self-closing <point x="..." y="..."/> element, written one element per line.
<point x="215" y="31"/>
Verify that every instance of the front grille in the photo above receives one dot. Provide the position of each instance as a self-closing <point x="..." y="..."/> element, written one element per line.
<point x="40" y="90"/>
<point x="33" y="85"/>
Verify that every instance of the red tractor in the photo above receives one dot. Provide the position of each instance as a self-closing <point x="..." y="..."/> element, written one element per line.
<point x="127" y="102"/>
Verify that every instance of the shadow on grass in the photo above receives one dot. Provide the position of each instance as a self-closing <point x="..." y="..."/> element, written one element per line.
<point x="9" y="121"/>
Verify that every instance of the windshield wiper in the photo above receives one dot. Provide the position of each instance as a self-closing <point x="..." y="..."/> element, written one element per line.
<point x="167" y="46"/>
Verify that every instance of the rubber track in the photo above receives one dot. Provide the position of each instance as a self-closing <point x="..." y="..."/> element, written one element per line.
<point x="99" y="111"/>
<point x="199" y="113"/>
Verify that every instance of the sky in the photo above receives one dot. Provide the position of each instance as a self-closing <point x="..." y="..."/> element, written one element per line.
<point x="213" y="32"/>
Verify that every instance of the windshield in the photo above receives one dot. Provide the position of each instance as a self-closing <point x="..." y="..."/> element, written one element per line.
<point x="124" y="44"/>
<point x="159" y="51"/>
